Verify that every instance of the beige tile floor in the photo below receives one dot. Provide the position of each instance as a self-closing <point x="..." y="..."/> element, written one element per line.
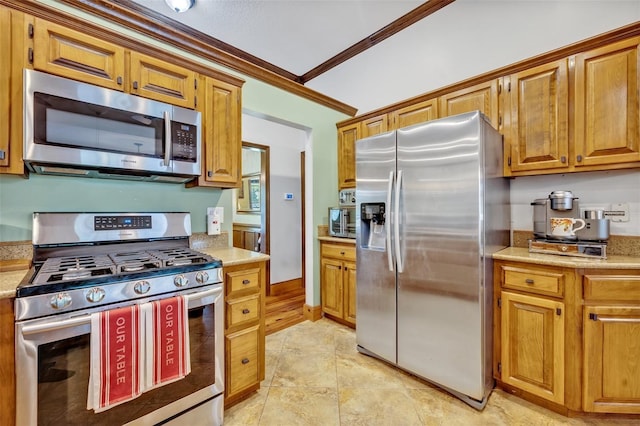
<point x="315" y="376"/>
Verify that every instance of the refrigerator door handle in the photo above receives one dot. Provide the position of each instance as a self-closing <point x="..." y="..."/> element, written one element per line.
<point x="388" y="225"/>
<point x="396" y="222"/>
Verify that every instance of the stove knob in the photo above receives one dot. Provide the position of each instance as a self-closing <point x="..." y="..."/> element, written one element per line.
<point x="180" y="280"/>
<point x="141" y="287"/>
<point x="60" y="301"/>
<point x="202" y="277"/>
<point x="95" y="295"/>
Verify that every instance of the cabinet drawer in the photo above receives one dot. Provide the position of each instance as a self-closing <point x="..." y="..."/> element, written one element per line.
<point x="243" y="311"/>
<point x="339" y="252"/>
<point x="612" y="287"/>
<point x="242" y="355"/>
<point x="243" y="281"/>
<point x="533" y="281"/>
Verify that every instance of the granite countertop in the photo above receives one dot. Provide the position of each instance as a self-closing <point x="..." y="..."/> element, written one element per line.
<point x="519" y="254"/>
<point x="229" y="256"/>
<point x="338" y="240"/>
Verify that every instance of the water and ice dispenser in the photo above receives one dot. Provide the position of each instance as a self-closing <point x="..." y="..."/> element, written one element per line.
<point x="372" y="226"/>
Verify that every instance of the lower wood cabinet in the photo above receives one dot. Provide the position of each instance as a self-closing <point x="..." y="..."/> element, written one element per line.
<point x="533" y="345"/>
<point x="338" y="281"/>
<point x="244" y="330"/>
<point x="612" y="356"/>
<point x="568" y="338"/>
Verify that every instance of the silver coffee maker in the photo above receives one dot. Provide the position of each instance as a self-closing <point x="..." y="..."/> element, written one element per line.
<point x="564" y="204"/>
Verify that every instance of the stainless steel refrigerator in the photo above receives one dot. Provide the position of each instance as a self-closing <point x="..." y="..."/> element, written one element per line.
<point x="432" y="208"/>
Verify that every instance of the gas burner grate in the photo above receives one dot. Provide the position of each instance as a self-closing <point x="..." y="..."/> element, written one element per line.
<point x="74" y="268"/>
<point x="179" y="256"/>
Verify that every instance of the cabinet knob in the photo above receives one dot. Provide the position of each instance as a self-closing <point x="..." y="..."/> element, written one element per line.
<point x="245" y="360"/>
<point x="209" y="173"/>
<point x="342" y="253"/>
<point x="135" y="85"/>
<point x="245" y="311"/>
<point x="579" y="158"/>
<point x="119" y="80"/>
<point x="529" y="281"/>
<point x="245" y="282"/>
<point x="563" y="159"/>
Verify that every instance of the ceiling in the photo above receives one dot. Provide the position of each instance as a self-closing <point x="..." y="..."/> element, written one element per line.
<point x="405" y="47"/>
<point x="294" y="35"/>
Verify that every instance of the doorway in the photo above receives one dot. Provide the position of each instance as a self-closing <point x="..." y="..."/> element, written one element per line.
<point x="251" y="201"/>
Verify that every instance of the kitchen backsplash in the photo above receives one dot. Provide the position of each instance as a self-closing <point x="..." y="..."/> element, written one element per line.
<point x="24" y="249"/>
<point x="594" y="190"/>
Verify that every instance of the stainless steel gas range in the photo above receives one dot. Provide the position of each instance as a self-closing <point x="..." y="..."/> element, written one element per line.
<point x="85" y="264"/>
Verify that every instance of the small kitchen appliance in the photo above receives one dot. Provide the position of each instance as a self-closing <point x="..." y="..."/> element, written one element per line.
<point x="88" y="263"/>
<point x="588" y="241"/>
<point x="342" y="219"/>
<point x="78" y="129"/>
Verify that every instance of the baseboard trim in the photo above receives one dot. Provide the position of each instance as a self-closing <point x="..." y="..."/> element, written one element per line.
<point x="285" y="287"/>
<point x="312" y="313"/>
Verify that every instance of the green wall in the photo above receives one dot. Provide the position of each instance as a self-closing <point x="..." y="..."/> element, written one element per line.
<point x="19" y="197"/>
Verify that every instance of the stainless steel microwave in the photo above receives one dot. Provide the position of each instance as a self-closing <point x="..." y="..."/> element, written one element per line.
<point x="342" y="222"/>
<point x="78" y="129"/>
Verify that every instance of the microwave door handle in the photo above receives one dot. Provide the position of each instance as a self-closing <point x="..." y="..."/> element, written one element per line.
<point x="167" y="138"/>
<point x="388" y="222"/>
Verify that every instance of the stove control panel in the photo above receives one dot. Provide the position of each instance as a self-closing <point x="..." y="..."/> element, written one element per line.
<point x="108" y="223"/>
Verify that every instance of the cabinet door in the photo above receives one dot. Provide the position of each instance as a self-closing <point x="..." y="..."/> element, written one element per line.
<point x="61" y="51"/>
<point x="349" y="279"/>
<point x="537" y="133"/>
<point x="532" y="341"/>
<point x="482" y="97"/>
<point x="414" y="114"/>
<point x="243" y="365"/>
<point x="331" y="287"/>
<point x="162" y="81"/>
<point x="606" y="105"/>
<point x="611" y="359"/>
<point x="374" y="126"/>
<point x="347" y="137"/>
<point x="5" y="87"/>
<point x="222" y="145"/>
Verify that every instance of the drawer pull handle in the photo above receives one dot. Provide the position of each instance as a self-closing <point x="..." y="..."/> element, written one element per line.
<point x="342" y="253"/>
<point x="245" y="311"/>
<point x="245" y="360"/>
<point x="529" y="281"/>
<point x="245" y="282"/>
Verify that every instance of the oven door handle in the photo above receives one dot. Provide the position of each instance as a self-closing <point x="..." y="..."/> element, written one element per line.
<point x="215" y="291"/>
<point x="86" y="319"/>
<point x="56" y="325"/>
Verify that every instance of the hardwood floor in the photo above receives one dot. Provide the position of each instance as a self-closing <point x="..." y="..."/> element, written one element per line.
<point x="284" y="310"/>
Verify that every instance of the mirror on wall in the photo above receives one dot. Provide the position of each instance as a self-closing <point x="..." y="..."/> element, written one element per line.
<point x="249" y="194"/>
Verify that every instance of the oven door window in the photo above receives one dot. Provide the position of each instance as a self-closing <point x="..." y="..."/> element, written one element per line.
<point x="70" y="123"/>
<point x="63" y="375"/>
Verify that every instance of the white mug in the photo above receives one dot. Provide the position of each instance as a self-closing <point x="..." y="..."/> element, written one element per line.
<point x="564" y="226"/>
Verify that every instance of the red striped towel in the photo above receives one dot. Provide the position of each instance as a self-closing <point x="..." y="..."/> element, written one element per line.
<point x="116" y="358"/>
<point x="167" y="341"/>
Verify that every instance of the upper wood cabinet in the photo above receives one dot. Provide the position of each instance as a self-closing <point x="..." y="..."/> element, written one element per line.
<point x="14" y="43"/>
<point x="607" y="130"/>
<point x="374" y="126"/>
<point x="5" y="86"/>
<point x="222" y="144"/>
<point x="414" y="114"/>
<point x="536" y="118"/>
<point x="347" y="137"/>
<point x="482" y="97"/>
<point x="159" y="80"/>
<point x="68" y="53"/>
